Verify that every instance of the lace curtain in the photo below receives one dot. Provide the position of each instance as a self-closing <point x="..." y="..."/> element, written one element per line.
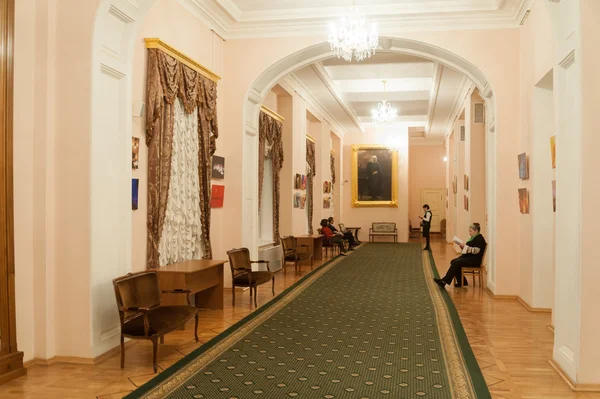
<point x="181" y="236"/>
<point x="310" y="174"/>
<point x="168" y="80"/>
<point x="270" y="146"/>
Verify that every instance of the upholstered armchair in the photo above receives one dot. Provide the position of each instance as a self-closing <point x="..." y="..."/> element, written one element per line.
<point x="138" y="300"/>
<point x="292" y="252"/>
<point x="242" y="274"/>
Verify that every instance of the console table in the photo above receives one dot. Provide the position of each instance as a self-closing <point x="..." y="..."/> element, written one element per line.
<point x="203" y="277"/>
<point x="314" y="243"/>
<point x="356" y="229"/>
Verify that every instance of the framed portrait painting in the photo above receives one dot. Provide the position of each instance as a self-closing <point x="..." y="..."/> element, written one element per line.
<point x="374" y="176"/>
<point x="218" y="167"/>
<point x="524" y="201"/>
<point x="523" y="166"/>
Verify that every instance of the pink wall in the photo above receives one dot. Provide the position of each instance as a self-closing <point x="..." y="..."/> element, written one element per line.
<point x="364" y="217"/>
<point x="427" y="169"/>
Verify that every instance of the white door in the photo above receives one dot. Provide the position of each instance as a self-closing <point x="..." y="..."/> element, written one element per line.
<point x="434" y="197"/>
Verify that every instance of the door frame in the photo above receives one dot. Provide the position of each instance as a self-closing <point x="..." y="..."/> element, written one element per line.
<point x="442" y="216"/>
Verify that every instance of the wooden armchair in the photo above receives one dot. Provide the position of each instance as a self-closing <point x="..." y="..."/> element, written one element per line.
<point x="243" y="276"/>
<point x="291" y="253"/>
<point x="474" y="271"/>
<point x="138" y="300"/>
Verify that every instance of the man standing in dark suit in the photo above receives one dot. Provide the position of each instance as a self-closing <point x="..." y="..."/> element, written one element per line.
<point x="472" y="256"/>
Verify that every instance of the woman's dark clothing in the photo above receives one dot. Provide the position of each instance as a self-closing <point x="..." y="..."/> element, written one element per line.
<point x="374" y="179"/>
<point x="426" y="226"/>
<point x="347" y="235"/>
<point x="466" y="260"/>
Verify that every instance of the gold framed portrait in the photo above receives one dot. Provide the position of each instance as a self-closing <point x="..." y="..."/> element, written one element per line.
<point x="374" y="176"/>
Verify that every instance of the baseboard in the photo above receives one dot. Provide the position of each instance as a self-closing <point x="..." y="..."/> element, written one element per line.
<point x="573" y="385"/>
<point x="11" y="375"/>
<point x="78" y="360"/>
<point x="494" y="296"/>
<point x="533" y="310"/>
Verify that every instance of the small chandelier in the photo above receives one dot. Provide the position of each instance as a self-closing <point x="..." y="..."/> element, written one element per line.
<point x="384" y="112"/>
<point x="350" y="37"/>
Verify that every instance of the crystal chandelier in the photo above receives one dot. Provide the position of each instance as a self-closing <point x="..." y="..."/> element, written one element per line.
<point x="384" y="112"/>
<point x="350" y="37"/>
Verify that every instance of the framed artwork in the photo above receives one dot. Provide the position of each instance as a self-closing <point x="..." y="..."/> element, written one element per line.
<point x="296" y="200"/>
<point x="554" y="195"/>
<point x="302" y="201"/>
<point x="298" y="181"/>
<point x="553" y="151"/>
<point x="524" y="201"/>
<point x="327" y="186"/>
<point x="466" y="203"/>
<point x="455" y="185"/>
<point x="217" y="197"/>
<point x="135" y="186"/>
<point x="303" y="187"/>
<point x="523" y="166"/>
<point x="326" y="202"/>
<point x="218" y="167"/>
<point x="374" y="176"/>
<point x="466" y="183"/>
<point x="135" y="152"/>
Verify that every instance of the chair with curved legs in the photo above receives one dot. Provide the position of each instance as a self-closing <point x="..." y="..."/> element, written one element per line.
<point x="242" y="274"/>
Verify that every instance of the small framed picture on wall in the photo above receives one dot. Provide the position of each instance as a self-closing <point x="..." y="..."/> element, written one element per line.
<point x="135" y="186"/>
<point x="135" y="152"/>
<point x="218" y="167"/>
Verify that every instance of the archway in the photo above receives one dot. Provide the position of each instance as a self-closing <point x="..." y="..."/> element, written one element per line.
<point x="261" y="86"/>
<point x="116" y="26"/>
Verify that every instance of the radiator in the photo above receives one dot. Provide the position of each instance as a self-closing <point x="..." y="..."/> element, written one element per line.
<point x="271" y="253"/>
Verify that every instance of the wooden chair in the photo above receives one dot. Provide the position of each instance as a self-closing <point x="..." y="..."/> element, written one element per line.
<point x="474" y="271"/>
<point x="243" y="276"/>
<point x="327" y="244"/>
<point x="138" y="300"/>
<point x="443" y="228"/>
<point x="413" y="233"/>
<point x="291" y="253"/>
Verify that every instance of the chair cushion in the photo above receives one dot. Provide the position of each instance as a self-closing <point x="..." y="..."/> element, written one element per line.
<point x="301" y="256"/>
<point x="382" y="227"/>
<point x="162" y="319"/>
<point x="257" y="278"/>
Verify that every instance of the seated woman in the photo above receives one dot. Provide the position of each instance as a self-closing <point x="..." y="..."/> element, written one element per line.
<point x="347" y="235"/>
<point x="334" y="238"/>
<point x="472" y="256"/>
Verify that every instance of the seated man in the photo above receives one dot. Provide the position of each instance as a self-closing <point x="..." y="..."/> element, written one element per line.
<point x="335" y="239"/>
<point x="347" y="235"/>
<point x="472" y="256"/>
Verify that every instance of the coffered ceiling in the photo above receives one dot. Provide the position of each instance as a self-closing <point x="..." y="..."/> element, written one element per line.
<point x="268" y="18"/>
<point x="425" y="94"/>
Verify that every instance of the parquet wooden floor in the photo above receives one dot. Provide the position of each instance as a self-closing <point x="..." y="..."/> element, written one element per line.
<point x="511" y="344"/>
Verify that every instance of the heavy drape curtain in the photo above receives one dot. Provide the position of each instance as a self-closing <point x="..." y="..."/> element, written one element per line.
<point x="310" y="174"/>
<point x="332" y="167"/>
<point x="169" y="79"/>
<point x="270" y="145"/>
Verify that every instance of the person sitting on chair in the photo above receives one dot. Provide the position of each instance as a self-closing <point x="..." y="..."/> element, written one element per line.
<point x="472" y="256"/>
<point x="334" y="238"/>
<point x="347" y="235"/>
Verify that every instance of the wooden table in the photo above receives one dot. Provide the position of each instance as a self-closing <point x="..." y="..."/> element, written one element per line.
<point x="314" y="243"/>
<point x="356" y="229"/>
<point x="203" y="277"/>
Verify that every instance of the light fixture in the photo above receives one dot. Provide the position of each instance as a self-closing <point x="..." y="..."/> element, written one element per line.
<point x="384" y="112"/>
<point x="350" y="37"/>
<point x="445" y="159"/>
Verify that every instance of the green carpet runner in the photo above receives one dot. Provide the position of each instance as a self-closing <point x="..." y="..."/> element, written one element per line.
<point x="371" y="325"/>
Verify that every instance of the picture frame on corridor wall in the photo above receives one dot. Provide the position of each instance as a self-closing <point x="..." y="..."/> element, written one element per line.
<point x="303" y="187"/>
<point x="374" y="176"/>
<point x="455" y="185"/>
<point x="302" y="201"/>
<point x="523" y="166"/>
<point x="296" y="200"/>
<point x="466" y="182"/>
<point x="298" y="181"/>
<point x="135" y="152"/>
<point x="554" y="195"/>
<point x="466" y="203"/>
<point x="135" y="186"/>
<point x="524" y="201"/>
<point x="326" y="202"/>
<point x="218" y="196"/>
<point x="553" y="151"/>
<point x="218" y="167"/>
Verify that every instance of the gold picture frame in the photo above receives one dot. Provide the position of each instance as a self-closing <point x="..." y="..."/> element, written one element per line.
<point x="357" y="199"/>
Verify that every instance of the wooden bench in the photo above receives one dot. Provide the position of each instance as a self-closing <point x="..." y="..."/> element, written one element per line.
<point x="383" y="229"/>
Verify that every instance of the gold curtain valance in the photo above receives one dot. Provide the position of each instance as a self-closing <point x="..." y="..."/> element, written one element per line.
<point x="272" y="113"/>
<point x="153" y="42"/>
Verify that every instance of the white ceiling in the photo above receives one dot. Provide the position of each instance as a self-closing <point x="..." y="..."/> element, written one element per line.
<point x="268" y="18"/>
<point x="425" y="94"/>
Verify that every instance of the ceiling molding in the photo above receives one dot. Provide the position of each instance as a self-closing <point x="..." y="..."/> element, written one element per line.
<point x="330" y="85"/>
<point x="226" y="18"/>
<point x="466" y="86"/>
<point x="438" y="69"/>
<point x="296" y="85"/>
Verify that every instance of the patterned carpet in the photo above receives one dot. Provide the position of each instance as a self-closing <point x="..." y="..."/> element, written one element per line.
<point x="371" y="325"/>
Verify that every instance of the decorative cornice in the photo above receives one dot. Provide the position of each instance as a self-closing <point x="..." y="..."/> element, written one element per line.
<point x="330" y="85"/>
<point x="310" y="138"/>
<point x="110" y="71"/>
<point x="179" y="56"/>
<point x="569" y="60"/>
<point x="272" y="113"/>
<point x="119" y="14"/>
<point x="232" y="23"/>
<point x="438" y="70"/>
<point x="296" y="85"/>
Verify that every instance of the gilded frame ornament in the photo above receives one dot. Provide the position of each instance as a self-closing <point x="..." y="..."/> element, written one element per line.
<point x="356" y="202"/>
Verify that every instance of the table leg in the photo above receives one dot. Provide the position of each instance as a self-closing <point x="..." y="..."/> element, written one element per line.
<point x="356" y="235"/>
